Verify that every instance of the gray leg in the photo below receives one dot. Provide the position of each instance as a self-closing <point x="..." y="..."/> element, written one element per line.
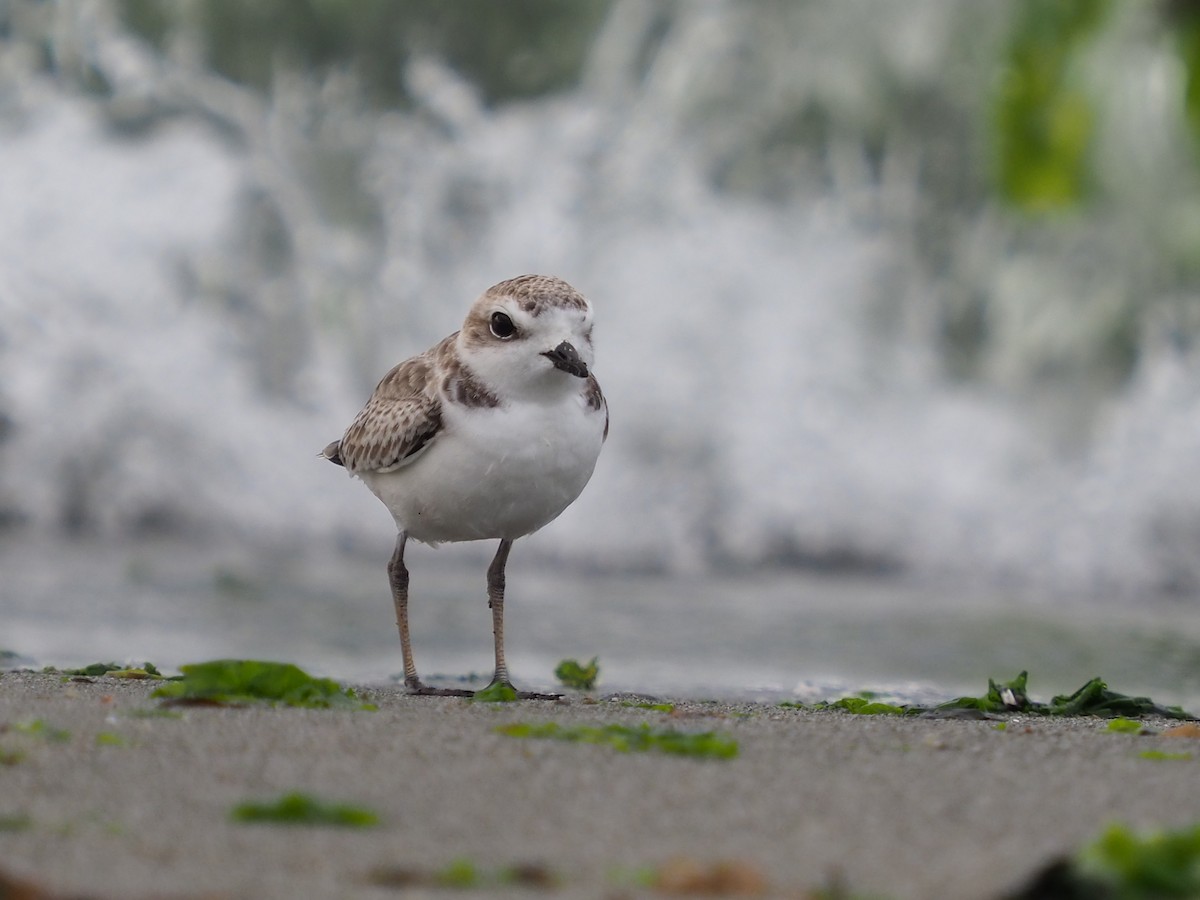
<point x="398" y="578"/>
<point x="495" y="585"/>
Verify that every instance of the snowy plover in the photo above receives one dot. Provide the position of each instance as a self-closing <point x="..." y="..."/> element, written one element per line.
<point x="491" y="433"/>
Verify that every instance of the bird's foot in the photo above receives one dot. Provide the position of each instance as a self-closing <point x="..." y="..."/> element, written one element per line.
<point x="497" y="691"/>
<point x="502" y="691"/>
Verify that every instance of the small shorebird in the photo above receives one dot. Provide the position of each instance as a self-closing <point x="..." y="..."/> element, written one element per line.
<point x="489" y="434"/>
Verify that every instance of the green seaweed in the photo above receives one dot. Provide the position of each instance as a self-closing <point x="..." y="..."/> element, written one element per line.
<point x="110" y="739"/>
<point x="146" y="670"/>
<point x="1122" y="864"/>
<point x="115" y="670"/>
<point x="39" y="729"/>
<point x="630" y="739"/>
<point x="1122" y="725"/>
<point x="1163" y="756"/>
<point x="238" y="682"/>
<point x="1094" y="698"/>
<point x="667" y="708"/>
<point x="864" y="706"/>
<point x="302" y="809"/>
<point x="864" y="703"/>
<point x="496" y="692"/>
<point x="580" y="677"/>
<point x="15" y="822"/>
<point x="464" y="874"/>
<point x="1008" y="696"/>
<point x="458" y="873"/>
<point x="1157" y="864"/>
<point x="640" y="877"/>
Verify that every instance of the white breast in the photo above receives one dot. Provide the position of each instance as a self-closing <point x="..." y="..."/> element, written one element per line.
<point x="499" y="472"/>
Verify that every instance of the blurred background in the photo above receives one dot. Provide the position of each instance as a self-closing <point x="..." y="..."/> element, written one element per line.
<point x="897" y="315"/>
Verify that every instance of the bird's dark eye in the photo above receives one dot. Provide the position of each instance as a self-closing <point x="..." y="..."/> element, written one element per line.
<point x="502" y="325"/>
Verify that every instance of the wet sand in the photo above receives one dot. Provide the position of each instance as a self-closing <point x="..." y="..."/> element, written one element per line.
<point x="900" y="808"/>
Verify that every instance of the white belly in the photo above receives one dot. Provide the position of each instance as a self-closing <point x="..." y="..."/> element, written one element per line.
<point x="494" y="473"/>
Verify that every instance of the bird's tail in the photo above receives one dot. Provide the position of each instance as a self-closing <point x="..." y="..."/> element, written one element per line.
<point x="333" y="453"/>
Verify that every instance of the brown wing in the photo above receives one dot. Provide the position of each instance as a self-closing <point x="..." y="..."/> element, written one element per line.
<point x="399" y="421"/>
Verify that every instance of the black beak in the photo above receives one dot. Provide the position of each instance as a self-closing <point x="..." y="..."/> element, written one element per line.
<point x="566" y="357"/>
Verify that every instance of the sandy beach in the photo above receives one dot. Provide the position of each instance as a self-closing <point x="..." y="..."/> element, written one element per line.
<point x="103" y="800"/>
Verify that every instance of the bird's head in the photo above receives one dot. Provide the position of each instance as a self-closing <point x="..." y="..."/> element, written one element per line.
<point x="529" y="335"/>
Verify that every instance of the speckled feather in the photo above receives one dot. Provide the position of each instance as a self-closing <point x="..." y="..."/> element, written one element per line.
<point x="400" y="420"/>
<point x="536" y="293"/>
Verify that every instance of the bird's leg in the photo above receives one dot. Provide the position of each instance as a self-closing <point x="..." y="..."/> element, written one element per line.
<point x="398" y="578"/>
<point x="495" y="585"/>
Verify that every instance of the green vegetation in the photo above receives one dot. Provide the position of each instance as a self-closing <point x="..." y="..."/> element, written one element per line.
<point x="110" y="739"/>
<point x="579" y="677"/>
<point x="31" y="728"/>
<point x="1009" y="696"/>
<point x="459" y="873"/>
<point x="146" y="670"/>
<point x="463" y="874"/>
<point x="301" y="809"/>
<point x="1124" y="865"/>
<point x="667" y="708"/>
<point x="1125" y="726"/>
<point x="496" y="692"/>
<point x="864" y="706"/>
<point x="1162" y="864"/>
<point x="112" y="669"/>
<point x="1094" y="698"/>
<point x="15" y="822"/>
<point x="39" y="729"/>
<point x="627" y="739"/>
<point x="1162" y="756"/>
<point x="234" y="682"/>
